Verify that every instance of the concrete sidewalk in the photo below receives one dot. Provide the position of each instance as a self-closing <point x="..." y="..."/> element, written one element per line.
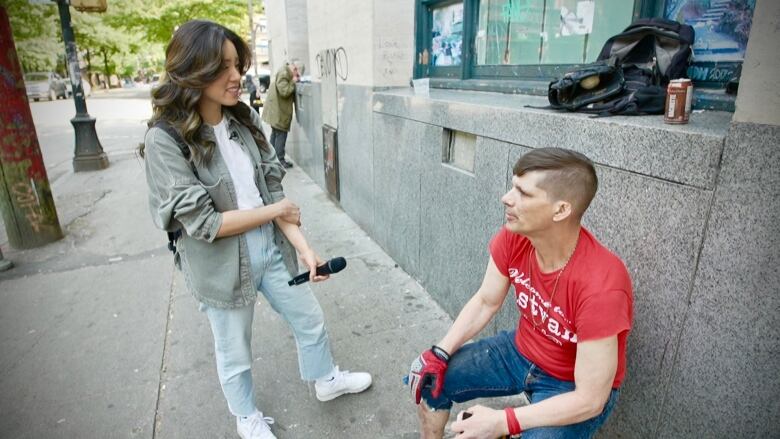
<point x="100" y="338"/>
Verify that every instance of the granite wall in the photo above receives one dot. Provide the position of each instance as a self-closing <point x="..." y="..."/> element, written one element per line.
<point x="691" y="210"/>
<point x="724" y="377"/>
<point x="355" y="145"/>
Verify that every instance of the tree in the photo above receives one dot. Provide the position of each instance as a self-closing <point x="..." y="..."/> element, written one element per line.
<point x="128" y="38"/>
<point x="36" y="30"/>
<point x="158" y="19"/>
<point x="94" y="35"/>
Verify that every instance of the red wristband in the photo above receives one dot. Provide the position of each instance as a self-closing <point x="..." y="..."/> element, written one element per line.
<point x="512" y="422"/>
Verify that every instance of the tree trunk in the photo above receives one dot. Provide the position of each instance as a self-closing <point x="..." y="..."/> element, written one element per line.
<point x="89" y="69"/>
<point x="105" y="69"/>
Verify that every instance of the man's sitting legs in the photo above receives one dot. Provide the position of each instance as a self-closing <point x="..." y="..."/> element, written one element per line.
<point x="493" y="367"/>
<point x="489" y="367"/>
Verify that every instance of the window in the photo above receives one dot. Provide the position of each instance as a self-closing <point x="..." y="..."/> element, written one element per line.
<point x="518" y="46"/>
<point x="722" y="28"/>
<point x="458" y="149"/>
<point x="512" y="38"/>
<point x="447" y="35"/>
<point x="547" y="31"/>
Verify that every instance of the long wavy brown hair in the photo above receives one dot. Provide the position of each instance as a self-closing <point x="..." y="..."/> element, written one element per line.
<point x="193" y="60"/>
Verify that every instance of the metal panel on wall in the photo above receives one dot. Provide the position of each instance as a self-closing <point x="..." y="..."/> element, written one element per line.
<point x="330" y="156"/>
<point x="331" y="64"/>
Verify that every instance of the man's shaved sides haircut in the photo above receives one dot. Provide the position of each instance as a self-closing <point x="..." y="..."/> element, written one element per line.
<point x="568" y="175"/>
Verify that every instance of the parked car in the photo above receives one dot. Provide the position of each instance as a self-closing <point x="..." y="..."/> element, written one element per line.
<point x="45" y="85"/>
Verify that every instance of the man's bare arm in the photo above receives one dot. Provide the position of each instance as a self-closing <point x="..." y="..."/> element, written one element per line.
<point x="479" y="310"/>
<point x="594" y="372"/>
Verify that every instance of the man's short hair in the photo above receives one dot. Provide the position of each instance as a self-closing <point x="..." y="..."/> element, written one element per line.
<point x="569" y="175"/>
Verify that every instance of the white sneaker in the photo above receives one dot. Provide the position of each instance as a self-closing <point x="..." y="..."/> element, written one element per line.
<point x="255" y="426"/>
<point x="342" y="382"/>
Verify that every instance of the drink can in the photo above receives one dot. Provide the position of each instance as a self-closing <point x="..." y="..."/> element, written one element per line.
<point x="679" y="95"/>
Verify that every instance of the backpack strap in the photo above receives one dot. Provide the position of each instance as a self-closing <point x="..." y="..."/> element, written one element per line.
<point x="185" y="150"/>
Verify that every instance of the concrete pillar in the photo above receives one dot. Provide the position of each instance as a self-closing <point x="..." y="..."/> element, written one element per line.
<point x="758" y="100"/>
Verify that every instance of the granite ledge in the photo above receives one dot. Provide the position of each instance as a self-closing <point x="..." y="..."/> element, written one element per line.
<point x="304" y="88"/>
<point x="686" y="154"/>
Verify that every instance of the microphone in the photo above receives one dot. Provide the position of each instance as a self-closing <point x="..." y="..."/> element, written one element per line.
<point x="333" y="266"/>
<point x="233" y="135"/>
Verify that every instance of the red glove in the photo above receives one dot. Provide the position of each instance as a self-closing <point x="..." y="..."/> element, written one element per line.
<point x="428" y="370"/>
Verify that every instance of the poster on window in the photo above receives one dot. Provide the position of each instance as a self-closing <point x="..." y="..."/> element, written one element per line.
<point x="447" y="35"/>
<point x="722" y="26"/>
<point x="577" y="21"/>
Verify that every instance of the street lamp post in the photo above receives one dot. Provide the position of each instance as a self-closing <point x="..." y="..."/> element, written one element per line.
<point x="88" y="155"/>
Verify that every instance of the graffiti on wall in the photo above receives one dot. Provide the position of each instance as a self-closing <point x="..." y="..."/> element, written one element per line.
<point x="391" y="56"/>
<point x="333" y="62"/>
<point x="26" y="199"/>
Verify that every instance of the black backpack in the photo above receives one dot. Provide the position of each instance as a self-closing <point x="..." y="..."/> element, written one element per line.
<point x="631" y="72"/>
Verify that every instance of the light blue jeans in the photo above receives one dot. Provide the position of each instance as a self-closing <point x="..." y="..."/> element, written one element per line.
<point x="232" y="328"/>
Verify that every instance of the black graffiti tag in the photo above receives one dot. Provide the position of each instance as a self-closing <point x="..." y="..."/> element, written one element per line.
<point x="333" y="62"/>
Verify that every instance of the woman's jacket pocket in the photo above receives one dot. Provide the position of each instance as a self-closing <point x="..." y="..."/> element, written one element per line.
<point x="221" y="195"/>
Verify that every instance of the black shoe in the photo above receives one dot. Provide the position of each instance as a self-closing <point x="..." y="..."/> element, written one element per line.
<point x="286" y="164"/>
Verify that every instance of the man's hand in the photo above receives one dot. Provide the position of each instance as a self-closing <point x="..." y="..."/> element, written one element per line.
<point x="428" y="370"/>
<point x="313" y="261"/>
<point x="484" y="423"/>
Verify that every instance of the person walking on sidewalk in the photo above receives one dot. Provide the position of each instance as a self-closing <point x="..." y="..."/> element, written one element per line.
<point x="255" y="100"/>
<point x="278" y="108"/>
<point x="239" y="234"/>
<point x="575" y="301"/>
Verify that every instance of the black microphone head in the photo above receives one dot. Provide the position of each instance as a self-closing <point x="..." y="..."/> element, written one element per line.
<point x="337" y="264"/>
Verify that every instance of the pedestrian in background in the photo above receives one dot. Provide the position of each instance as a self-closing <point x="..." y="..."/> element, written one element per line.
<point x="255" y="100"/>
<point x="278" y="108"/>
<point x="249" y="83"/>
<point x="239" y="234"/>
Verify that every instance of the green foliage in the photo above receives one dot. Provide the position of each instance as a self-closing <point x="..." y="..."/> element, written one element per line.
<point x="36" y="31"/>
<point x="159" y="18"/>
<point x="129" y="38"/>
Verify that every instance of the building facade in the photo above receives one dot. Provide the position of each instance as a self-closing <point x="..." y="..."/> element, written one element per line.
<point x="692" y="209"/>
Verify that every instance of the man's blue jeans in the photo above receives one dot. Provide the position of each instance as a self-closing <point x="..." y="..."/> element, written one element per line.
<point x="232" y="328"/>
<point x="493" y="367"/>
<point x="278" y="141"/>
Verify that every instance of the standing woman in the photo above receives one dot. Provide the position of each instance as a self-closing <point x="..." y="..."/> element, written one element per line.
<point x="213" y="176"/>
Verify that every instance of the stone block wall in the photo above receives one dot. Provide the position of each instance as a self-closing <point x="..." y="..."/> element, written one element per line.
<point x="690" y="209"/>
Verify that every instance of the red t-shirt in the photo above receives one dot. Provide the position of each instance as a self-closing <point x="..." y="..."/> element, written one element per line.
<point x="593" y="300"/>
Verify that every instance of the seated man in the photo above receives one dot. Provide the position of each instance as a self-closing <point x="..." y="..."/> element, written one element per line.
<point x="575" y="301"/>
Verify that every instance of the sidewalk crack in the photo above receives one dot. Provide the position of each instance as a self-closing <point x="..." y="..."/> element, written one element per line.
<point x="89" y="209"/>
<point x="164" y="358"/>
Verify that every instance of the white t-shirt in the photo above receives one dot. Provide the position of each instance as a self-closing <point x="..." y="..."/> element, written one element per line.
<point x="241" y="168"/>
